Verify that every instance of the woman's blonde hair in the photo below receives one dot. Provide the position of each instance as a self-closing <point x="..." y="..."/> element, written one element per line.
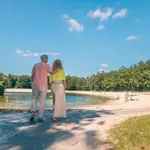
<point x="57" y="64"/>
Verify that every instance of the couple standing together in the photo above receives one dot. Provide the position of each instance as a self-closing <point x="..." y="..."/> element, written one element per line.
<point x="40" y="83"/>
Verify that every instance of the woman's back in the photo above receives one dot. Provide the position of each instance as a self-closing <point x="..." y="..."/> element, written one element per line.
<point x="60" y="75"/>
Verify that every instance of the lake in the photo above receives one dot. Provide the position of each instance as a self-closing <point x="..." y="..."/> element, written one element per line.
<point x="23" y="100"/>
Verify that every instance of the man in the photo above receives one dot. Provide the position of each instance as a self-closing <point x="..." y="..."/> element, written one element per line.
<point x="39" y="75"/>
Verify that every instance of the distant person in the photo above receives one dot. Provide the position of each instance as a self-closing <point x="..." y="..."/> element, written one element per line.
<point x="58" y="86"/>
<point x="39" y="75"/>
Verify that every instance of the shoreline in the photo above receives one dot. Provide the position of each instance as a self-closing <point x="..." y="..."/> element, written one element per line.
<point x="113" y="103"/>
<point x="19" y="90"/>
<point x="90" y="93"/>
<point x="109" y="94"/>
<point x="86" y="93"/>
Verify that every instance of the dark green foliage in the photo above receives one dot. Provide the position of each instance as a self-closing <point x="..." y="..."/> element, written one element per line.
<point x="12" y="80"/>
<point x="135" y="78"/>
<point x="3" y="82"/>
<point x="75" y="83"/>
<point x="23" y="81"/>
<point x="2" y="89"/>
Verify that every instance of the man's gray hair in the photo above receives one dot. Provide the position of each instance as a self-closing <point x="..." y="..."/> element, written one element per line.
<point x="44" y="57"/>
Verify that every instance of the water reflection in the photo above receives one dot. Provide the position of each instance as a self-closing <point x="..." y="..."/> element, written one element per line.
<point x="23" y="101"/>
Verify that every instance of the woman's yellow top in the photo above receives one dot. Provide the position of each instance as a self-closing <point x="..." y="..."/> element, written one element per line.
<point x="60" y="75"/>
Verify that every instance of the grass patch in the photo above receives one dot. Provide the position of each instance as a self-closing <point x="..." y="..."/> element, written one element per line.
<point x="133" y="134"/>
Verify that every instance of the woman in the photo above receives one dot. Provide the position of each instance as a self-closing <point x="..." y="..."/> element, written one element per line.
<point x="58" y="86"/>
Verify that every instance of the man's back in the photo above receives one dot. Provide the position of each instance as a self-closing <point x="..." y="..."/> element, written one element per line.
<point x="39" y="74"/>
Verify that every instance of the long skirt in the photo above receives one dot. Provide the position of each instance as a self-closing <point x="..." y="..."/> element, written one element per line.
<point x="59" y="99"/>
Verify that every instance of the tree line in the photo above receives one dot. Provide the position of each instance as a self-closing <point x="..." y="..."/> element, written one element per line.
<point x="134" y="78"/>
<point x="14" y="81"/>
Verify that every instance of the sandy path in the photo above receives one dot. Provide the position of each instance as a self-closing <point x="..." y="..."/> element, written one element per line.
<point x="83" y="130"/>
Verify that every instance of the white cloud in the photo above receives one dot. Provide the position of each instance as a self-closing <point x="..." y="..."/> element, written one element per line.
<point x="18" y="51"/>
<point x="122" y="13"/>
<point x="103" y="70"/>
<point x="102" y="15"/>
<point x="101" y="27"/>
<point x="75" y="26"/>
<point x="54" y="54"/>
<point x="104" y="65"/>
<point x="130" y="38"/>
<point x="28" y="53"/>
<point x="35" y="54"/>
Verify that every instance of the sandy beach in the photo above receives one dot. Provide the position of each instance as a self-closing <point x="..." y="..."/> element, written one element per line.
<point x="84" y="128"/>
<point x="143" y="98"/>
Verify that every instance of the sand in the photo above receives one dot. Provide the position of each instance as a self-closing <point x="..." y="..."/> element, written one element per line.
<point x="84" y="128"/>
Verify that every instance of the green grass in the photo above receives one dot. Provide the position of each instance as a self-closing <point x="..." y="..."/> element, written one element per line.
<point x="133" y="134"/>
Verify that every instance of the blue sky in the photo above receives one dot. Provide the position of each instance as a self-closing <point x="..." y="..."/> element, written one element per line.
<point x="88" y="36"/>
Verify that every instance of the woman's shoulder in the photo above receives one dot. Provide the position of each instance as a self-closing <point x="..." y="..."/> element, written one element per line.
<point x="62" y="70"/>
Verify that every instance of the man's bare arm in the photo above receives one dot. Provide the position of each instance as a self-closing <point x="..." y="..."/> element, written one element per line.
<point x="53" y="72"/>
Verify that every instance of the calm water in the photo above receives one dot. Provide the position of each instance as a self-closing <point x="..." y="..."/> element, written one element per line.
<point x="23" y="100"/>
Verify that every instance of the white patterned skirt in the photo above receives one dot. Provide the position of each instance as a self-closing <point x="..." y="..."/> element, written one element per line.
<point x="59" y="99"/>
